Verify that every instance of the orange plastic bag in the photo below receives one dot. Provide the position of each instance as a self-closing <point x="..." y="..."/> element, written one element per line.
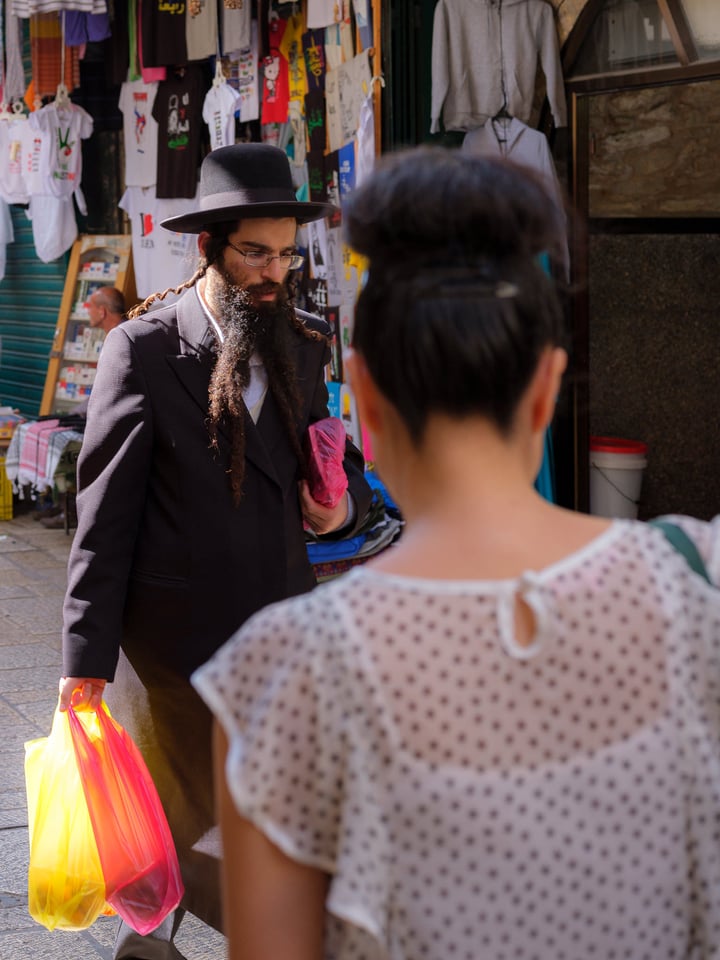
<point x="66" y="887"/>
<point x="135" y="846"/>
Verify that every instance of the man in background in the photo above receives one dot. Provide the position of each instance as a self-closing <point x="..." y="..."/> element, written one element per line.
<point x="106" y="308"/>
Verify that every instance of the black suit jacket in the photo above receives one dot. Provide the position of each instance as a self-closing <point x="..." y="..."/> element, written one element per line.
<point x="163" y="564"/>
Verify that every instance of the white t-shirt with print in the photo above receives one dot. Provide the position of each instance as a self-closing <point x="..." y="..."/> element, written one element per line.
<point x="248" y="81"/>
<point x="236" y="28"/>
<point x="54" y="225"/>
<point x="32" y="160"/>
<point x="219" y="108"/>
<point x="13" y="188"/>
<point x="140" y="132"/>
<point x="162" y="258"/>
<point x="62" y="129"/>
<point x="201" y="30"/>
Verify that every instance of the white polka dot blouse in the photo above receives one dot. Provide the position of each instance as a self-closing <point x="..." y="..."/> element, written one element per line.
<point x="473" y="799"/>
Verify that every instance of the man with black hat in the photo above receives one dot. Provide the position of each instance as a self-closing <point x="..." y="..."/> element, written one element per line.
<point x="192" y="499"/>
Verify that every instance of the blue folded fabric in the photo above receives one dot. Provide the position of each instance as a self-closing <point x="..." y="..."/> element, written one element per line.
<point x="321" y="551"/>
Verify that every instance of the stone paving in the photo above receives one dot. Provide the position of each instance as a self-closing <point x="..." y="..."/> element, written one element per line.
<point x="32" y="583"/>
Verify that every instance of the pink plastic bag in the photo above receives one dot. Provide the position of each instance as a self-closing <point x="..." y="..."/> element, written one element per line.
<point x="325" y="450"/>
<point x="136" y="848"/>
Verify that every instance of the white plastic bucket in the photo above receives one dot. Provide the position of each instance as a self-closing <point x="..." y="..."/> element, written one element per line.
<point x="616" y="474"/>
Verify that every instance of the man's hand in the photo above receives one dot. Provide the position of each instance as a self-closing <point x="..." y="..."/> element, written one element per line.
<point x="84" y="693"/>
<point x="322" y="519"/>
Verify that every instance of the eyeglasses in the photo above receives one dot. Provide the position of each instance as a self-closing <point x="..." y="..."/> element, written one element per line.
<point x="253" y="258"/>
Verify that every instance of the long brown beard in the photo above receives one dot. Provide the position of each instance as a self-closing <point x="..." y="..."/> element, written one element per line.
<point x="249" y="327"/>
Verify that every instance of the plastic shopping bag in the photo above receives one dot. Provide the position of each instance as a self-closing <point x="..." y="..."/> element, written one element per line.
<point x="66" y="888"/>
<point x="325" y="448"/>
<point x="135" y="846"/>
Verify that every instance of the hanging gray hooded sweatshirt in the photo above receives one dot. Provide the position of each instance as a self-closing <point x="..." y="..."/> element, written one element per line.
<point x="484" y="57"/>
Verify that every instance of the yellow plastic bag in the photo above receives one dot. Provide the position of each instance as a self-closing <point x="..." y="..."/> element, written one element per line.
<point x="66" y="888"/>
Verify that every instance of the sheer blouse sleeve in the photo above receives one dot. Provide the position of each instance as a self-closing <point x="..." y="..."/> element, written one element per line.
<point x="285" y="734"/>
<point x="301" y="765"/>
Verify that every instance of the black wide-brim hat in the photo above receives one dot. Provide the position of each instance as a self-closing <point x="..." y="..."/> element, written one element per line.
<point x="242" y="181"/>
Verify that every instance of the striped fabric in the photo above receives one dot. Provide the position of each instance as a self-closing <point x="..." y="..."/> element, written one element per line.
<point x="28" y="8"/>
<point x="34" y="454"/>
<point x="46" y="56"/>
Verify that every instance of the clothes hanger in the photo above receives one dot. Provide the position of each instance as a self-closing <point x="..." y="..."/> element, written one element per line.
<point x="500" y="123"/>
<point x="62" y="98"/>
<point x="219" y="78"/>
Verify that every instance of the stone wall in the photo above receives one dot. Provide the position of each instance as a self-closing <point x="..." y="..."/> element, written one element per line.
<point x="653" y="152"/>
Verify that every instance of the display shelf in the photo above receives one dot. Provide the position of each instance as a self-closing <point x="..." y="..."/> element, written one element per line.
<point x="95" y="261"/>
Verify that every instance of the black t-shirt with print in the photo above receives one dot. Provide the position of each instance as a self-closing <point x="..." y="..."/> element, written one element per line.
<point x="178" y="111"/>
<point x="163" y="32"/>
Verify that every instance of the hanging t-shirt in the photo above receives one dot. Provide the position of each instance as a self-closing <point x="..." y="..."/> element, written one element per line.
<point x="140" y="131"/>
<point x="62" y="128"/>
<point x="526" y="146"/>
<point x="321" y="13"/>
<point x="54" y="226"/>
<point x="162" y="258"/>
<point x="13" y="187"/>
<point x="346" y="169"/>
<point x="201" y="29"/>
<point x="333" y="47"/>
<point x="2" y="70"/>
<point x="83" y="27"/>
<point x="315" y="121"/>
<point x="314" y="51"/>
<point x="291" y="49"/>
<point x="178" y="111"/>
<point x="162" y="34"/>
<point x="365" y="157"/>
<point x="298" y="127"/>
<point x="32" y="155"/>
<point x="247" y="78"/>
<point x="236" y="25"/>
<point x="275" y="95"/>
<point x="219" y="108"/>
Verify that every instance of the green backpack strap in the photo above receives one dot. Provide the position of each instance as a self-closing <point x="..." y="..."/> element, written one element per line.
<point x="678" y="539"/>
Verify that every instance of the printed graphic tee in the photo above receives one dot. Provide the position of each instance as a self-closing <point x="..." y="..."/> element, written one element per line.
<point x="178" y="111"/>
<point x="236" y="25"/>
<point x="275" y="90"/>
<point x="61" y="128"/>
<point x="219" y="108"/>
<point x="140" y="131"/>
<point x="162" y="258"/>
<point x="247" y="78"/>
<point x="201" y="29"/>
<point x="13" y="187"/>
<point x="162" y="32"/>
